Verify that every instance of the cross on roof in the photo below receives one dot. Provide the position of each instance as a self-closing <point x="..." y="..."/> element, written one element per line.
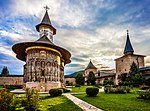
<point x="46" y="8"/>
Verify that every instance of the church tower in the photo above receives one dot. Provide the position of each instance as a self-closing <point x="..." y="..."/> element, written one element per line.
<point x="124" y="62"/>
<point x="44" y="61"/>
<point x="128" y="47"/>
<point x="90" y="69"/>
<point x="45" y="27"/>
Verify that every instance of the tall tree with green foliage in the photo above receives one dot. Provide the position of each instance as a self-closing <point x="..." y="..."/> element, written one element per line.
<point x="91" y="78"/>
<point x="134" y="69"/>
<point x="135" y="76"/>
<point x="79" y="79"/>
<point x="5" y="71"/>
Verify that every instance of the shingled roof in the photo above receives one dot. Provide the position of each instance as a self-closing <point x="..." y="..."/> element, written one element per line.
<point x="46" y="21"/>
<point x="44" y="39"/>
<point x="90" y="66"/>
<point x="128" y="47"/>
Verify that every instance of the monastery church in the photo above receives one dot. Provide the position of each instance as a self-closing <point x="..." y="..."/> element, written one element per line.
<point x="45" y="62"/>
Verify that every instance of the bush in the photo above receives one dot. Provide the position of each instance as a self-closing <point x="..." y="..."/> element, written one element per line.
<point x="144" y="87"/>
<point x="77" y="85"/>
<point x="107" y="88"/>
<point x="13" y="86"/>
<point x="98" y="86"/>
<point x="30" y="103"/>
<point x="119" y="89"/>
<point x="55" y="92"/>
<point x="65" y="90"/>
<point x="108" y="82"/>
<point x="125" y="83"/>
<point x="144" y="94"/>
<point x="6" y="101"/>
<point x="92" y="91"/>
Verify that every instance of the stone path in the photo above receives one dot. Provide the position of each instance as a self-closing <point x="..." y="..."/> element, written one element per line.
<point x="82" y="104"/>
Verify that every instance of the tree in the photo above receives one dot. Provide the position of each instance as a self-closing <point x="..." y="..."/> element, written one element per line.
<point x="135" y="76"/>
<point x="134" y="69"/>
<point x="91" y="78"/>
<point x="5" y="71"/>
<point x="79" y="79"/>
<point x="138" y="79"/>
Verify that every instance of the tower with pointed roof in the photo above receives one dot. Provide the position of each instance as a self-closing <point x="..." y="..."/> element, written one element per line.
<point x="44" y="61"/>
<point x="128" y="47"/>
<point x="124" y="62"/>
<point x="89" y="69"/>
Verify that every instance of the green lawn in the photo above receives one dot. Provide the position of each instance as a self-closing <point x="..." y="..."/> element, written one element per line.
<point x="1" y="88"/>
<point x="80" y="89"/>
<point x="60" y="103"/>
<point x="117" y="102"/>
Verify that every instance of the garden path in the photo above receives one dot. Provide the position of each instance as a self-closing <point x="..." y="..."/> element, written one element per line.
<point x="82" y="104"/>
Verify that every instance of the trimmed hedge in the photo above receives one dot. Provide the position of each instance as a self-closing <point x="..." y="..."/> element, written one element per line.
<point x="144" y="94"/>
<point x="65" y="90"/>
<point x="117" y="90"/>
<point x="77" y="85"/>
<point x="55" y="92"/>
<point x="13" y="86"/>
<point x="92" y="91"/>
<point x="144" y="87"/>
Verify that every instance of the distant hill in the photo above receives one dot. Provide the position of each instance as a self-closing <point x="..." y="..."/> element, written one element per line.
<point x="74" y="74"/>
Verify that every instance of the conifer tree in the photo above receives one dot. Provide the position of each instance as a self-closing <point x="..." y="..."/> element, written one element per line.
<point x="133" y="69"/>
<point x="5" y="71"/>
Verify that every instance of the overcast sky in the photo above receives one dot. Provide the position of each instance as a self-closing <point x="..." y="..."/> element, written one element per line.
<point x="89" y="29"/>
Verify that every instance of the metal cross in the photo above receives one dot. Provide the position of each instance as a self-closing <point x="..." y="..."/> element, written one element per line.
<point x="46" y="8"/>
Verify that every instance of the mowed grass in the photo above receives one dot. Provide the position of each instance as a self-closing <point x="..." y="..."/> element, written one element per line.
<point x="59" y="103"/>
<point x="117" y="102"/>
<point x="1" y="88"/>
<point x="80" y="89"/>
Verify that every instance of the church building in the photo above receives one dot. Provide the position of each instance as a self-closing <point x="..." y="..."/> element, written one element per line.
<point x="124" y="62"/>
<point x="44" y="61"/>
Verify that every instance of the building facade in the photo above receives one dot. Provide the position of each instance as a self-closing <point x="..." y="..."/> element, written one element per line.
<point x="44" y="61"/>
<point x="124" y="63"/>
<point x="100" y="74"/>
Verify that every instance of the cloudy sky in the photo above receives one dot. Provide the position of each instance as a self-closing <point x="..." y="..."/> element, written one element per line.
<point x="89" y="29"/>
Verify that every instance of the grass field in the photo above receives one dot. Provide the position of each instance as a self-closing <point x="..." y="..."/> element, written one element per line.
<point x="1" y="88"/>
<point x="60" y="103"/>
<point x="80" y="89"/>
<point x="117" y="102"/>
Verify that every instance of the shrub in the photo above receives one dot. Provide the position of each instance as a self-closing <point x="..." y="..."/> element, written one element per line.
<point x="98" y="86"/>
<point x="127" y="89"/>
<point x="144" y="94"/>
<point x="30" y="103"/>
<point x="144" y="87"/>
<point x="107" y="88"/>
<point x="65" y="90"/>
<point x="13" y="86"/>
<point x="6" y="101"/>
<point x="55" y="92"/>
<point x="125" y="83"/>
<point x="92" y="91"/>
<point x="77" y="85"/>
<point x="119" y="89"/>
